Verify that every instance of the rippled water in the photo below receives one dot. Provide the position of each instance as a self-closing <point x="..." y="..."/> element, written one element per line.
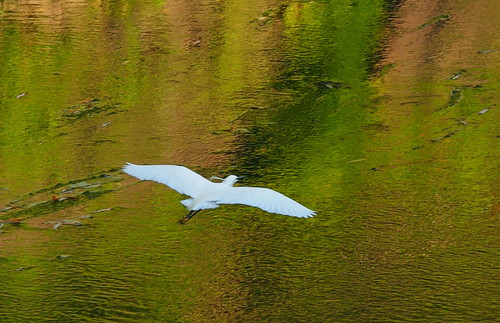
<point x="312" y="99"/>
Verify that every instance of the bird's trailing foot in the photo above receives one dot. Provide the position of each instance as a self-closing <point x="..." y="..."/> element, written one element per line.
<point x="188" y="216"/>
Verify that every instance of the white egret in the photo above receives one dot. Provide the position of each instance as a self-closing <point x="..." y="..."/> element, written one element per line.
<point x="208" y="195"/>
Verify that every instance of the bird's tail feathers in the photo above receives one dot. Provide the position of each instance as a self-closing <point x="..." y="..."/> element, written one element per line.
<point x="187" y="202"/>
<point x="207" y="205"/>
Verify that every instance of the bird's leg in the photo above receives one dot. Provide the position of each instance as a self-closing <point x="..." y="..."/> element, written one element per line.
<point x="188" y="216"/>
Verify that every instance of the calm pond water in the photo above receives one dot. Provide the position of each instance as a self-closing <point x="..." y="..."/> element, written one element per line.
<point x="395" y="147"/>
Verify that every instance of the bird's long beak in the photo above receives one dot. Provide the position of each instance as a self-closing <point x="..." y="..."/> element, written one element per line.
<point x="240" y="177"/>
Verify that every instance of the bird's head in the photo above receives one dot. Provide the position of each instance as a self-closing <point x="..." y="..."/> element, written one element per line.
<point x="231" y="179"/>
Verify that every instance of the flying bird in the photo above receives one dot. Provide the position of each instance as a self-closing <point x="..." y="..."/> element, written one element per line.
<point x="205" y="194"/>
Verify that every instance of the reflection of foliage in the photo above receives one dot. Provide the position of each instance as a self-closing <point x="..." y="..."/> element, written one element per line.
<point x="63" y="195"/>
<point x="455" y="96"/>
<point x="87" y="109"/>
<point x="435" y="20"/>
<point x="268" y="16"/>
<point x="328" y="52"/>
<point x="254" y="150"/>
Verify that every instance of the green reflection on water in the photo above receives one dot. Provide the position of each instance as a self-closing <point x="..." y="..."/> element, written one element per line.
<point x="281" y="92"/>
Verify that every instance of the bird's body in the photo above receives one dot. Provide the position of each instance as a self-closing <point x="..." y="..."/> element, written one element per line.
<point x="208" y="195"/>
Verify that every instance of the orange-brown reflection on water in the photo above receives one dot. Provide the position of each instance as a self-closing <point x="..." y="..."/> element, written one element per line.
<point x="399" y="166"/>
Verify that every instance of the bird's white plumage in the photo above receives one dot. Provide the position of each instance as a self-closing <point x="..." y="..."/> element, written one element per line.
<point x="178" y="178"/>
<point x="265" y="199"/>
<point x="205" y="194"/>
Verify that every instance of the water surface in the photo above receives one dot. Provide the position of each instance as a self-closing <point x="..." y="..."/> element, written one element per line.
<point x="317" y="100"/>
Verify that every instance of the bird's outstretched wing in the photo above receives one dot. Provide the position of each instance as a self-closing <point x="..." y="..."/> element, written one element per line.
<point x="266" y="199"/>
<point x="178" y="178"/>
